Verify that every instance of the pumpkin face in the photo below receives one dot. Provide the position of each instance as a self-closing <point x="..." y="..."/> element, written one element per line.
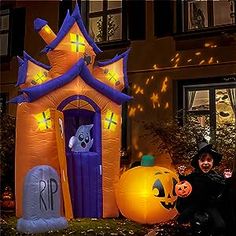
<point x="146" y="194"/>
<point x="164" y="189"/>
<point x="183" y="188"/>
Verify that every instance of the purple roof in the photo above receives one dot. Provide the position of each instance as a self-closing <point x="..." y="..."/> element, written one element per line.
<point x="23" y="66"/>
<point x="39" y="24"/>
<point x="33" y="93"/>
<point x="124" y="55"/>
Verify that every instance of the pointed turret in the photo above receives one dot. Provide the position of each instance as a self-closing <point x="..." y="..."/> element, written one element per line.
<point x="41" y="26"/>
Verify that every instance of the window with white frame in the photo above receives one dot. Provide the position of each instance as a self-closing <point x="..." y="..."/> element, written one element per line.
<point x="105" y="20"/>
<point x="4" y="32"/>
<point x="200" y="14"/>
<point x="211" y="106"/>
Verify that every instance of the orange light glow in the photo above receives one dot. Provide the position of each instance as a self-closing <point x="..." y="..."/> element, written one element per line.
<point x="132" y="111"/>
<point x="177" y="60"/>
<point x="167" y="105"/>
<point x="206" y="45"/>
<point x="210" y="60"/>
<point x="155" y="67"/>
<point x="164" y="85"/>
<point x="140" y="154"/>
<point x="155" y="100"/>
<point x="176" y="65"/>
<point x="140" y="107"/>
<point x="152" y="77"/>
<point x="139" y="90"/>
<point x="147" y="81"/>
<point x="176" y="55"/>
<point x="201" y="62"/>
<point x="198" y="53"/>
<point x="189" y="60"/>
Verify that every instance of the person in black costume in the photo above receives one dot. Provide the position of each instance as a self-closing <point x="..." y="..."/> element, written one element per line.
<point x="201" y="207"/>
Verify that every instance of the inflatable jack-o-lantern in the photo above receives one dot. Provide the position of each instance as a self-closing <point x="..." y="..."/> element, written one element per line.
<point x="183" y="188"/>
<point x="146" y="194"/>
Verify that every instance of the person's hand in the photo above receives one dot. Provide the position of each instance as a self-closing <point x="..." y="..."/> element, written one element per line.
<point x="181" y="169"/>
<point x="227" y="173"/>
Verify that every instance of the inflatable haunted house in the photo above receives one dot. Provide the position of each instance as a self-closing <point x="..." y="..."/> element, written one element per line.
<point x="69" y="118"/>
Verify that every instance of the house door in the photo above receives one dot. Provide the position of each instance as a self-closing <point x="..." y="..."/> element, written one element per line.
<point x="60" y="138"/>
<point x="84" y="167"/>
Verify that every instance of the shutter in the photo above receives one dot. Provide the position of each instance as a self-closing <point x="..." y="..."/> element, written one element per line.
<point x="136" y="19"/>
<point x="163" y="17"/>
<point x="18" y="31"/>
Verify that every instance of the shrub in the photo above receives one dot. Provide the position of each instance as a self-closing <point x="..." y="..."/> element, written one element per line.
<point x="7" y="150"/>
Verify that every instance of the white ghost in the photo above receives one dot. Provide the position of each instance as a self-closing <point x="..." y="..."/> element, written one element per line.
<point x="82" y="141"/>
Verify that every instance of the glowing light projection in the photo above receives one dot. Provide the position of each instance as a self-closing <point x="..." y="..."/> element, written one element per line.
<point x="132" y="111"/>
<point x="155" y="100"/>
<point x="210" y="60"/>
<point x="44" y="120"/>
<point x="155" y="67"/>
<point x="167" y="105"/>
<point x="77" y="43"/>
<point x="164" y="85"/>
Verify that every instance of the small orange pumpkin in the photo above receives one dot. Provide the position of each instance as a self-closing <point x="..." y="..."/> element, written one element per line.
<point x="7" y="199"/>
<point x="183" y="188"/>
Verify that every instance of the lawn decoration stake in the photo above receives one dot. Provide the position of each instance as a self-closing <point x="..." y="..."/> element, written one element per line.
<point x="58" y="100"/>
<point x="146" y="194"/>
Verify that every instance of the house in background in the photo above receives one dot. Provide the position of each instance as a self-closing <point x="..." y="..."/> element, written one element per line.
<point x="182" y="57"/>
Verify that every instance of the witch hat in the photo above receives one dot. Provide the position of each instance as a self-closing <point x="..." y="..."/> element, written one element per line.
<point x="204" y="147"/>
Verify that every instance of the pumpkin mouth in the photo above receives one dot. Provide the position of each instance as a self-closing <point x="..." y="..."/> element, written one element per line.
<point x="168" y="205"/>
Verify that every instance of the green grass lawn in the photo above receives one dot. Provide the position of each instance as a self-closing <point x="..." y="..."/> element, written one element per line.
<point x="84" y="227"/>
<point x="108" y="227"/>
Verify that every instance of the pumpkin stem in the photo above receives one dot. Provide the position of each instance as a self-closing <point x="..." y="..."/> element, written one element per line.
<point x="147" y="160"/>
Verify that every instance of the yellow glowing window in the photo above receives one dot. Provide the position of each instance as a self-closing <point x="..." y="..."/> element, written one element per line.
<point x="77" y="43"/>
<point x="111" y="120"/>
<point x="47" y="29"/>
<point x="44" y="120"/>
<point x="112" y="76"/>
<point x="39" y="78"/>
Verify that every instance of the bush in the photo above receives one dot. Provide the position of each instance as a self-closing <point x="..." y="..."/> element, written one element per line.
<point x="7" y="150"/>
<point x="180" y="142"/>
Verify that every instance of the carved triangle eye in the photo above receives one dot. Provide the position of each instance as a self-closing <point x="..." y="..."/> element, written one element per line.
<point x="158" y="185"/>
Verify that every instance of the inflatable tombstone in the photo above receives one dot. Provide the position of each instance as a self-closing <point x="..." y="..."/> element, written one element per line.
<point x="41" y="202"/>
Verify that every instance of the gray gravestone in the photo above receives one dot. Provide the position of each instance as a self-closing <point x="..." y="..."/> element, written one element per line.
<point x="41" y="202"/>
